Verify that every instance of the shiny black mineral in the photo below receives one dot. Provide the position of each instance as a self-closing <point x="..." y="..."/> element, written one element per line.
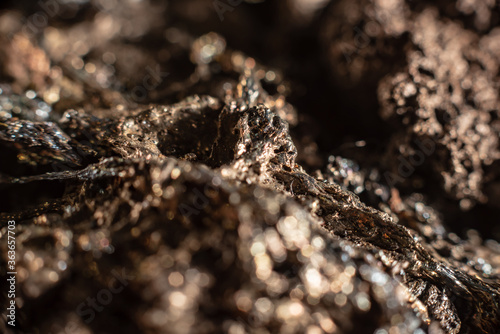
<point x="250" y="166"/>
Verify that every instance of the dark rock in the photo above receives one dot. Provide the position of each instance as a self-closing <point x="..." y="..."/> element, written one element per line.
<point x="213" y="208"/>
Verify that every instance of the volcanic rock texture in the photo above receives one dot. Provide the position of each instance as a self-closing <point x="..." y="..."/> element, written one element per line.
<point x="251" y="167"/>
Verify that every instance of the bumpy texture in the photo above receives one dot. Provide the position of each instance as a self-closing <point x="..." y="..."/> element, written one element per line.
<point x="215" y="207"/>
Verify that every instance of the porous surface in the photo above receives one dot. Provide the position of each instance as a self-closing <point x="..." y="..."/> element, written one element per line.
<point x="167" y="178"/>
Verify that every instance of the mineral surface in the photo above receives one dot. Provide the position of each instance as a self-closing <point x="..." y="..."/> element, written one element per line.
<point x="170" y="169"/>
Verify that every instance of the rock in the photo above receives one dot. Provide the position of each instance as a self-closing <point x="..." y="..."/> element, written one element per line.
<point x="207" y="205"/>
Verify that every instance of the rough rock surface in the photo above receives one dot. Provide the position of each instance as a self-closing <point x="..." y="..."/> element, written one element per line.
<point x="213" y="208"/>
